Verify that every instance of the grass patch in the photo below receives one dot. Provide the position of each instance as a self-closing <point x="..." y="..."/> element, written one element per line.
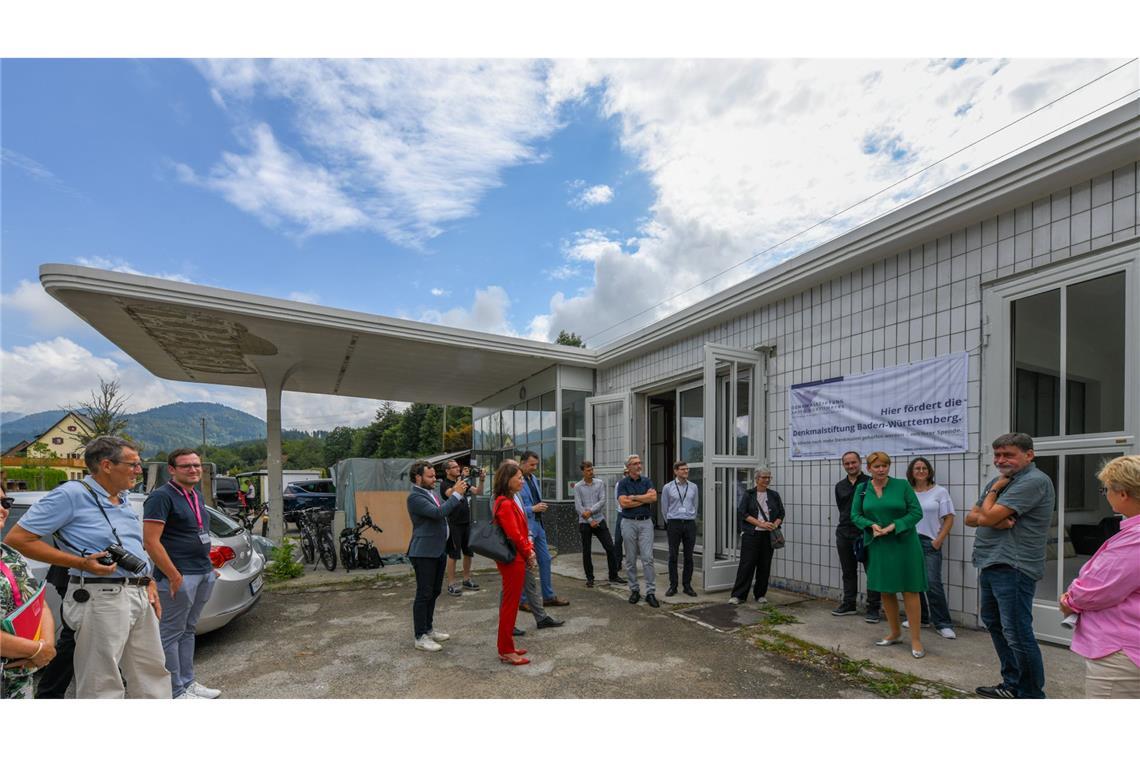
<point x="880" y="680"/>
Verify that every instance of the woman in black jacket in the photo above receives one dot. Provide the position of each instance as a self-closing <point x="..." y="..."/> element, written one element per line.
<point x="759" y="512"/>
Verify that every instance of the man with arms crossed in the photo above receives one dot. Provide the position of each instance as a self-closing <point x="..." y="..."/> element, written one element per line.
<point x="845" y="536"/>
<point x="459" y="523"/>
<point x="635" y="495"/>
<point x="176" y="535"/>
<point x="679" y="504"/>
<point x="1012" y="517"/>
<point x="114" y="612"/>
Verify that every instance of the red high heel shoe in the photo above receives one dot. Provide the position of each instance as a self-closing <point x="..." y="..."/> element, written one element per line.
<point x="520" y="651"/>
<point x="520" y="661"/>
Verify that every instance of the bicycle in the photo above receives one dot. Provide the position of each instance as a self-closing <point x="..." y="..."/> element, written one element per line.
<point x="318" y="530"/>
<point x="357" y="551"/>
<point x="248" y="516"/>
<point x="308" y="537"/>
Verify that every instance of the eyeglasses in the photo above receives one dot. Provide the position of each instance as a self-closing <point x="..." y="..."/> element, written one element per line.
<point x="1103" y="490"/>
<point x="187" y="466"/>
<point x="134" y="465"/>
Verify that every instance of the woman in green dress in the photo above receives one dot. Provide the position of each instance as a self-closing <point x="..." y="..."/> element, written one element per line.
<point x="887" y="510"/>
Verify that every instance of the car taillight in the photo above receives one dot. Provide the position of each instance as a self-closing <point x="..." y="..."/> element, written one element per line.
<point x="220" y="555"/>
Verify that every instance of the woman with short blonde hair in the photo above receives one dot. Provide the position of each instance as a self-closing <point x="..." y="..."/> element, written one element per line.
<point x="888" y="510"/>
<point x="1106" y="593"/>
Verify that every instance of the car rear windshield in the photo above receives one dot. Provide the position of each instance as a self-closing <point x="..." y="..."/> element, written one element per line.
<point x="221" y="525"/>
<point x="318" y="486"/>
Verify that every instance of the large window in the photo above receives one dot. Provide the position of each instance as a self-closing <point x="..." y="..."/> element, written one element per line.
<point x="1063" y="365"/>
<point x="573" y="436"/>
<point x="1070" y="337"/>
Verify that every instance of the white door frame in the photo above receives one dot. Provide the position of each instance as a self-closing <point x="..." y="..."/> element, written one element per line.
<point x="610" y="473"/>
<point x="719" y="573"/>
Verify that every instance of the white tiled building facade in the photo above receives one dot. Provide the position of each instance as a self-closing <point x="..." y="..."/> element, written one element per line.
<point x="918" y="303"/>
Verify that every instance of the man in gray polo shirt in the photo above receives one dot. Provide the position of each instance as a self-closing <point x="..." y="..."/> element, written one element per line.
<point x="590" y="504"/>
<point x="1012" y="518"/>
<point x="679" y="505"/>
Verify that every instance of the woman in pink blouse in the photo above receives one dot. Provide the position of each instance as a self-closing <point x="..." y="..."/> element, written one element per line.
<point x="1106" y="594"/>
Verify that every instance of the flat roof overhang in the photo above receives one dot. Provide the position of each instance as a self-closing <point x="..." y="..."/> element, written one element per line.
<point x="200" y="334"/>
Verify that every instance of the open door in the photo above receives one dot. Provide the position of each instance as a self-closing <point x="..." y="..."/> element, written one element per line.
<point x="609" y="427"/>
<point x="735" y="444"/>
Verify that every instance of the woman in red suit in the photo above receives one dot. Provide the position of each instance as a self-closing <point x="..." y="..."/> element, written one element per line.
<point x="509" y="516"/>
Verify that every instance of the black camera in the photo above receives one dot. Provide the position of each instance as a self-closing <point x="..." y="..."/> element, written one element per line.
<point x="473" y="475"/>
<point x="129" y="562"/>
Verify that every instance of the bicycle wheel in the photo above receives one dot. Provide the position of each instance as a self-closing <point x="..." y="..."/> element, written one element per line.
<point x="328" y="551"/>
<point x="348" y="555"/>
<point x="308" y="547"/>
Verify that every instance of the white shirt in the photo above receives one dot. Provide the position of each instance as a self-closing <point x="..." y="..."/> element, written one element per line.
<point x="936" y="504"/>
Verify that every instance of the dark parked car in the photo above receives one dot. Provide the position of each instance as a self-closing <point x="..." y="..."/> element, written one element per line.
<point x="226" y="493"/>
<point x="305" y="494"/>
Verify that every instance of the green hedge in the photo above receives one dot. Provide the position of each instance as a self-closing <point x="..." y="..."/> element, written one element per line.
<point x="51" y="477"/>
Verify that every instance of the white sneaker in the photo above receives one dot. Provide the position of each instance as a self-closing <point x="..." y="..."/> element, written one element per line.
<point x="425" y="644"/>
<point x="762" y="600"/>
<point x="188" y="695"/>
<point x="906" y="624"/>
<point x="733" y="600"/>
<point x="439" y="635"/>
<point x="947" y="633"/>
<point x="205" y="692"/>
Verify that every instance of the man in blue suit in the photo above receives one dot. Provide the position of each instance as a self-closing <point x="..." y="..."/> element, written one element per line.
<point x="428" y="549"/>
<point x="534" y="506"/>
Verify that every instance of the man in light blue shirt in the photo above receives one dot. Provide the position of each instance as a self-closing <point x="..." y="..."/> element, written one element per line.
<point x="113" y="610"/>
<point x="679" y="500"/>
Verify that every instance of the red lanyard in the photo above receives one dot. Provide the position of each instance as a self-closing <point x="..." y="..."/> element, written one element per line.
<point x="192" y="502"/>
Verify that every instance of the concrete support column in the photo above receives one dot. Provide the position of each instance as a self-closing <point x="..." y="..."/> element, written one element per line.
<point x="273" y="459"/>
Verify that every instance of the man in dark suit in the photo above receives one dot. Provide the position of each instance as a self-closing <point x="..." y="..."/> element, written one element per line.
<point x="428" y="549"/>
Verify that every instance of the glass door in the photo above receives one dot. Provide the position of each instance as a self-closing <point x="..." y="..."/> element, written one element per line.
<point x="608" y="435"/>
<point x="690" y="439"/>
<point x="735" y="445"/>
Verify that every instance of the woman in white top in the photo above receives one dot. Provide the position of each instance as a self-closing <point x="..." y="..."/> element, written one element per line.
<point x="937" y="518"/>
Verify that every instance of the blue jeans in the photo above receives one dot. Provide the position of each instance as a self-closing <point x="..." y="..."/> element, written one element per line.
<point x="934" y="606"/>
<point x="1005" y="597"/>
<point x="176" y="626"/>
<point x="542" y="552"/>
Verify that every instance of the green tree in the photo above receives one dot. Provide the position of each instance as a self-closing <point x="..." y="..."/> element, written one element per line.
<point x="569" y="339"/>
<point x="37" y="456"/>
<point x="338" y="445"/>
<point x="105" y="410"/>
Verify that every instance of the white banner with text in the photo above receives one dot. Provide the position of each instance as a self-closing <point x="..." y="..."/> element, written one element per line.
<point x="915" y="408"/>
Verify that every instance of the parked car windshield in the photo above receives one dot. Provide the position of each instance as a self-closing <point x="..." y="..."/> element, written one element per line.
<point x="221" y="525"/>
<point x="318" y="486"/>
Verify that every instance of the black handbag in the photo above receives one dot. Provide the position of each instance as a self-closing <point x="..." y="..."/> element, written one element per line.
<point x="777" y="538"/>
<point x="488" y="540"/>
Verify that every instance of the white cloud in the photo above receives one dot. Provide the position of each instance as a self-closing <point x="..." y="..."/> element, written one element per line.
<point x="42" y="313"/>
<point x="125" y="267"/>
<point x="488" y="313"/>
<point x="596" y="195"/>
<point x="440" y="292"/>
<point x="37" y="171"/>
<point x="743" y="155"/>
<point x="304" y="297"/>
<point x="280" y="187"/>
<point x="59" y="372"/>
<point x="400" y="147"/>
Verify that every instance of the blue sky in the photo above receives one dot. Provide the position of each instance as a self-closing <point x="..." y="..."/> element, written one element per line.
<point x="514" y="196"/>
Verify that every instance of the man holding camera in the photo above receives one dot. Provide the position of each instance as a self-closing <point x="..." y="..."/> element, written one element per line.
<point x="111" y="602"/>
<point x="459" y="523"/>
<point x="176" y="535"/>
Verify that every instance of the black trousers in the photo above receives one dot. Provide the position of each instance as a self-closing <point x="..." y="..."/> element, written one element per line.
<point x="429" y="584"/>
<point x="681" y="533"/>
<point x="57" y="675"/>
<point x="755" y="559"/>
<point x="603" y="533"/>
<point x="845" y="546"/>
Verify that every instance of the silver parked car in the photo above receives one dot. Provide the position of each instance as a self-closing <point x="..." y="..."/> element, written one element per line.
<point x="232" y="553"/>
